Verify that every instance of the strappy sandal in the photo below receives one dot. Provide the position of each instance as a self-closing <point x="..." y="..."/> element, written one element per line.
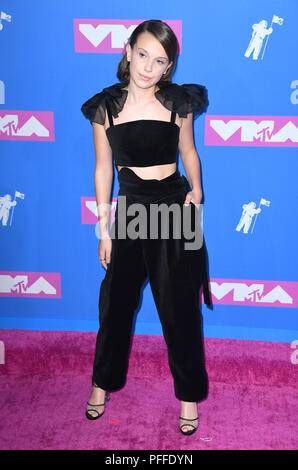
<point x="89" y="416"/>
<point x="191" y="431"/>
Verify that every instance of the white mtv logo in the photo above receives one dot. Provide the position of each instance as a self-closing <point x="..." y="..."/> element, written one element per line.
<point x="19" y="284"/>
<point x="250" y="130"/>
<point x="9" y="126"/>
<point x="253" y="292"/>
<point x="119" y="33"/>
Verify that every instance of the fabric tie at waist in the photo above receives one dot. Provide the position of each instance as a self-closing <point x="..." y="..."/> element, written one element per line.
<point x="131" y="184"/>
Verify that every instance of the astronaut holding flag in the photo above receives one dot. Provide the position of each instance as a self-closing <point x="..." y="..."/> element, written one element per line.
<point x="6" y="203"/>
<point x="249" y="211"/>
<point x="258" y="35"/>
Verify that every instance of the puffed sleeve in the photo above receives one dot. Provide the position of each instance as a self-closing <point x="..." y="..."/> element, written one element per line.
<point x="193" y="100"/>
<point x="183" y="99"/>
<point x="94" y="108"/>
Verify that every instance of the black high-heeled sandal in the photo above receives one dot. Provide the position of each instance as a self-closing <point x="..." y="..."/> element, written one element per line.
<point x="191" y="431"/>
<point x="89" y="416"/>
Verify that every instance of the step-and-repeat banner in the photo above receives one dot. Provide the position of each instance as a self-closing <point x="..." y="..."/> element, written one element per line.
<point x="56" y="55"/>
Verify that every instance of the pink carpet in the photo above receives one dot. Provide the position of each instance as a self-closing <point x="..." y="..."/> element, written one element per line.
<point x="45" y="384"/>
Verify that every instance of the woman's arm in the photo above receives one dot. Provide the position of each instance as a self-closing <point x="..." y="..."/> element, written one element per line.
<point x="190" y="160"/>
<point x="103" y="177"/>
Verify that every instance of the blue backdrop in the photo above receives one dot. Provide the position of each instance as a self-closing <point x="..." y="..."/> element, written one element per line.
<point x="49" y="269"/>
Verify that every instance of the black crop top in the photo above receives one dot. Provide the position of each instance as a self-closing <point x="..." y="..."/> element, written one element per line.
<point x="145" y="142"/>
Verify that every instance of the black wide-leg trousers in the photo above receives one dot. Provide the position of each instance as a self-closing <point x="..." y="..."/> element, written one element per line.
<point x="175" y="277"/>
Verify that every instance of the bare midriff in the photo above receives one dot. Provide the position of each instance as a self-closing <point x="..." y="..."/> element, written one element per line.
<point x="158" y="172"/>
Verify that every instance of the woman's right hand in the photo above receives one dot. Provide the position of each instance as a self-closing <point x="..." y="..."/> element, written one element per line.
<point x="104" y="251"/>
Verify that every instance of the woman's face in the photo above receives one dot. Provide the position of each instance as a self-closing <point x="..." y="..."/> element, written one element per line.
<point x="148" y="60"/>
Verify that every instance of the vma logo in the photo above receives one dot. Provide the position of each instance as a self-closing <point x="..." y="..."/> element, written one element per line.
<point x="255" y="293"/>
<point x="110" y="36"/>
<point x="30" y="284"/>
<point x="254" y="131"/>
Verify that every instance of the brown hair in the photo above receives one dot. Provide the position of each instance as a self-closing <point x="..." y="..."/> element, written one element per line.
<point x="164" y="34"/>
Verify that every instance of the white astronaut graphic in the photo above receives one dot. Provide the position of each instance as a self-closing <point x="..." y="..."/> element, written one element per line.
<point x="249" y="210"/>
<point x="259" y="33"/>
<point x="5" y="204"/>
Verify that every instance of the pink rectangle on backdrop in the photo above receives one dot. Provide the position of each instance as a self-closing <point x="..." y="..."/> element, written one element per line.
<point x="251" y="131"/>
<point x="254" y="292"/>
<point x="110" y="36"/>
<point x="89" y="210"/>
<point x="30" y="284"/>
<point x="26" y="125"/>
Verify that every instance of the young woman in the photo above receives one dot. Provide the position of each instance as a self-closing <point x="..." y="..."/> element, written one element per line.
<point x="142" y="121"/>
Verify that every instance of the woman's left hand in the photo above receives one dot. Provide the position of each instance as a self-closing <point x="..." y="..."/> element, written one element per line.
<point x="194" y="196"/>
